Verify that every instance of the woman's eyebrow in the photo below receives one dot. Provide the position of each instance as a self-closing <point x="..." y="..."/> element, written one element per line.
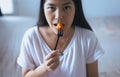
<point x="67" y="3"/>
<point x="50" y="4"/>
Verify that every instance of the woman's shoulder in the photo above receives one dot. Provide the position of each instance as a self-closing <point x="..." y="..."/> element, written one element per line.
<point x="85" y="33"/>
<point x="84" y="30"/>
<point x="30" y="32"/>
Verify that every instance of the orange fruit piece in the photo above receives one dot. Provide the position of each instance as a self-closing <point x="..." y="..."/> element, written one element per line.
<point x="59" y="26"/>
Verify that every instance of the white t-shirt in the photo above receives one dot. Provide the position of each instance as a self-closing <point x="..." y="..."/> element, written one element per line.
<point x="83" y="49"/>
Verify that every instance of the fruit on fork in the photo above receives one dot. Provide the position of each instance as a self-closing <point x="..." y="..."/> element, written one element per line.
<point x="59" y="26"/>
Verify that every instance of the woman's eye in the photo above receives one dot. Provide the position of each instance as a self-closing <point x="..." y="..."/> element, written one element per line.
<point x="50" y="8"/>
<point x="67" y="7"/>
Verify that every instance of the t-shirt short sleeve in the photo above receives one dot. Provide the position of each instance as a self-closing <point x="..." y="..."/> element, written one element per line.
<point x="25" y="58"/>
<point x="93" y="48"/>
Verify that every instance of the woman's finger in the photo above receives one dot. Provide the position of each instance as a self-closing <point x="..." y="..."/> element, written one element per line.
<point x="52" y="54"/>
<point x="52" y="60"/>
<point x="54" y="65"/>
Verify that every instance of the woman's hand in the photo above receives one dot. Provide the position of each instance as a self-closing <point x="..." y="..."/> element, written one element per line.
<point x="51" y="61"/>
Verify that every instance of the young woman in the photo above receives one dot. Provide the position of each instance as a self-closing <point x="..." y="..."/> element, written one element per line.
<point x="79" y="46"/>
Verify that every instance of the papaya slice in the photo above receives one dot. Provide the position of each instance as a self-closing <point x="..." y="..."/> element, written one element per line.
<point x="59" y="26"/>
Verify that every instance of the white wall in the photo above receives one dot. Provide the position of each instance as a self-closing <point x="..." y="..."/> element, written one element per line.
<point x="97" y="8"/>
<point x="92" y="8"/>
<point x="26" y="7"/>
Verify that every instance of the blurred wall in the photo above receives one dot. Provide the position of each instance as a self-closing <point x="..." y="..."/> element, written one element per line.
<point x="92" y="8"/>
<point x="26" y="7"/>
<point x="96" y="8"/>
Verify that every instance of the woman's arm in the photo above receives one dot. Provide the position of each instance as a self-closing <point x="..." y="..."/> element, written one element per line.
<point x="38" y="72"/>
<point x="92" y="69"/>
<point x="51" y="62"/>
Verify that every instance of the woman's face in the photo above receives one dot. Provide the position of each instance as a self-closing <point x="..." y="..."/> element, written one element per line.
<point x="59" y="11"/>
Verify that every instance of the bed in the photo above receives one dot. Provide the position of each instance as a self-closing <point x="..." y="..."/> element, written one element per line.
<point x="12" y="29"/>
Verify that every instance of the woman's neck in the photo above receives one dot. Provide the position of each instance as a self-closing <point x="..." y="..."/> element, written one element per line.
<point x="49" y="36"/>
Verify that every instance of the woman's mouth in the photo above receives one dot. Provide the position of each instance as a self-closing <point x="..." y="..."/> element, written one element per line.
<point x="57" y="24"/>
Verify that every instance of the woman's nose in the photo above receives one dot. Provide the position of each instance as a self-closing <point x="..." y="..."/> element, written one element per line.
<point x="59" y="15"/>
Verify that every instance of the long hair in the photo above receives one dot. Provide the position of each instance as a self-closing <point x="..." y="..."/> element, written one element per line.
<point x="79" y="19"/>
<point x="1" y="12"/>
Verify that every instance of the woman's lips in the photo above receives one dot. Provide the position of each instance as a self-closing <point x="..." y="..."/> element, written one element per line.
<point x="55" y="24"/>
